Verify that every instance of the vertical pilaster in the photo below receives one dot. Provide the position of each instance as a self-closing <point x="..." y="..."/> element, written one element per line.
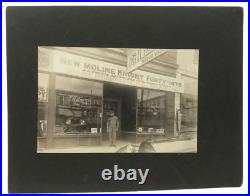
<point x="51" y="109"/>
<point x="172" y="107"/>
<point x="177" y="105"/>
<point x="177" y="114"/>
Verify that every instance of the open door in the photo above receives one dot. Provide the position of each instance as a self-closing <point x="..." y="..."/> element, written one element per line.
<point x="122" y="100"/>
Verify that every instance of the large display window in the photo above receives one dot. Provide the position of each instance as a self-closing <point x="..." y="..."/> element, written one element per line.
<point x="188" y="113"/>
<point x="151" y="111"/>
<point x="78" y="106"/>
<point x="43" y="84"/>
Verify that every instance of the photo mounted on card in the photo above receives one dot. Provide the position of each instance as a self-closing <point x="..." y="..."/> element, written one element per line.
<point x="104" y="99"/>
<point x="117" y="100"/>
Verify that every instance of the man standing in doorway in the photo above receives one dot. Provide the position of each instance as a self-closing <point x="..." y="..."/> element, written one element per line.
<point x="112" y="128"/>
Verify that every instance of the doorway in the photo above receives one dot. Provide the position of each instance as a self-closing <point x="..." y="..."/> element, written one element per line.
<point x="122" y="100"/>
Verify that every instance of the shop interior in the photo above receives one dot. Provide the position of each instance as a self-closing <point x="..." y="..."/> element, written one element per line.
<point x="82" y="108"/>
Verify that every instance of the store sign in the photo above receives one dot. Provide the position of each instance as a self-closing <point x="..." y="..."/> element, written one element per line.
<point x="89" y="68"/>
<point x="78" y="101"/>
<point x="139" y="57"/>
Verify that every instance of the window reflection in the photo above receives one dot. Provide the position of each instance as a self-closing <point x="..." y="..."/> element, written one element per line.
<point x="78" y="113"/>
<point x="151" y="111"/>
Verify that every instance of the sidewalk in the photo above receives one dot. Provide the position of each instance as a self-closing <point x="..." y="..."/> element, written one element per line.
<point x="103" y="148"/>
<point x="167" y="146"/>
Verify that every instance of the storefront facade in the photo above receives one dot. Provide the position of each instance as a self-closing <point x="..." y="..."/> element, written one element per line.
<point x="76" y="93"/>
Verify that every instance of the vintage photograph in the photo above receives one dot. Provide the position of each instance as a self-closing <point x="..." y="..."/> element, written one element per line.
<point x="117" y="100"/>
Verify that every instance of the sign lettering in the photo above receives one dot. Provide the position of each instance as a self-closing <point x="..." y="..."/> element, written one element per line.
<point x="139" y="57"/>
<point x="89" y="68"/>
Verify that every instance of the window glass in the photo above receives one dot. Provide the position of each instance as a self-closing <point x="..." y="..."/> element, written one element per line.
<point x="78" y="106"/>
<point x="189" y="113"/>
<point x="43" y="83"/>
<point x="151" y="111"/>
